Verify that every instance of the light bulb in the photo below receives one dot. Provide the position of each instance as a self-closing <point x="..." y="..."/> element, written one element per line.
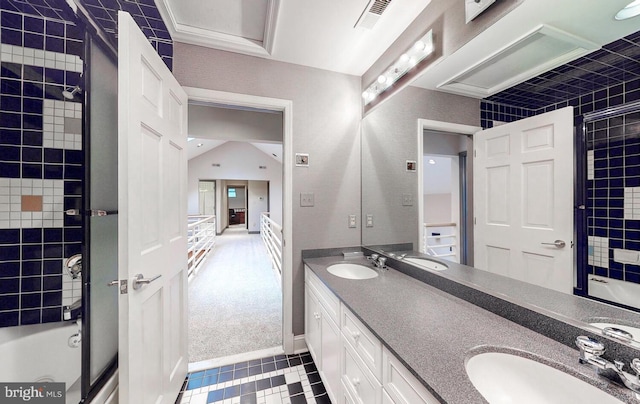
<point x="382" y="79"/>
<point x="631" y="10"/>
<point x="419" y="46"/>
<point x="404" y="57"/>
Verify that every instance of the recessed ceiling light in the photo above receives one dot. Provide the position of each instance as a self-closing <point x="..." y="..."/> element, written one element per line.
<point x="432" y="161"/>
<point x="200" y="144"/>
<point x="631" y="10"/>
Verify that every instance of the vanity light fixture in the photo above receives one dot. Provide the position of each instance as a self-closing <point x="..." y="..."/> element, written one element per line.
<point x="631" y="10"/>
<point x="408" y="60"/>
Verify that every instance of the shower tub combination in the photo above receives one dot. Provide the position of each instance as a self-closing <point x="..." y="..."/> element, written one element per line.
<point x="42" y="353"/>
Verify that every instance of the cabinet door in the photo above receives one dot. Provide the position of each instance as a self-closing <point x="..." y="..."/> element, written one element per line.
<point x="401" y="386"/>
<point x="330" y="347"/>
<point x="312" y="326"/>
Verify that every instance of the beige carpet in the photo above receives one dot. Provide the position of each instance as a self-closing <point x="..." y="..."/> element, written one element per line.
<point x="235" y="300"/>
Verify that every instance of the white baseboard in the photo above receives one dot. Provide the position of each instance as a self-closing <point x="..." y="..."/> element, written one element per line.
<point x="299" y="344"/>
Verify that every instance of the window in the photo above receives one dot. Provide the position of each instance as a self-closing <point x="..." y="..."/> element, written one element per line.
<point x="231" y="192"/>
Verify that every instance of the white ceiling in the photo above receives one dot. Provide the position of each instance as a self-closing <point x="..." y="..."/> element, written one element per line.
<point x="318" y="34"/>
<point x="198" y="146"/>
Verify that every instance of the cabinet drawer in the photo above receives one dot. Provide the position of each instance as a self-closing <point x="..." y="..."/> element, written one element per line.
<point x="401" y="385"/>
<point x="357" y="379"/>
<point x="363" y="341"/>
<point x="330" y="302"/>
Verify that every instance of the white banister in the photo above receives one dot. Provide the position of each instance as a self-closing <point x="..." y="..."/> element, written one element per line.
<point x="271" y="233"/>
<point x="441" y="240"/>
<point x="201" y="236"/>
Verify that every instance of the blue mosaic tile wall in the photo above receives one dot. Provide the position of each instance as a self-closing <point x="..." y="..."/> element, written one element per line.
<point x="613" y="185"/>
<point x="40" y="163"/>
<point x="41" y="158"/>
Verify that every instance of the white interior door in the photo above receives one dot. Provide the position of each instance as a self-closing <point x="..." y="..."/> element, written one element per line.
<point x="523" y="193"/>
<point x="152" y="226"/>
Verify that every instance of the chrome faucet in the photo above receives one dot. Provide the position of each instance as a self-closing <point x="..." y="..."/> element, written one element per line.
<point x="378" y="261"/>
<point x="591" y="351"/>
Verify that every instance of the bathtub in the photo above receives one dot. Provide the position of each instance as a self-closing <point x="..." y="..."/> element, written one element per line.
<point x="614" y="290"/>
<point x="41" y="353"/>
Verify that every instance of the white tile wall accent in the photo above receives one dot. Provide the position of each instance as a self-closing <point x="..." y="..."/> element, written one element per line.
<point x="55" y="134"/>
<point x="11" y="214"/>
<point x="590" y="165"/>
<point x="41" y="58"/>
<point x="632" y="203"/>
<point x="71" y="288"/>
<point x="599" y="251"/>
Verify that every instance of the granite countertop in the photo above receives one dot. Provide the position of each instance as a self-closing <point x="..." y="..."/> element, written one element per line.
<point x="433" y="333"/>
<point x="569" y="307"/>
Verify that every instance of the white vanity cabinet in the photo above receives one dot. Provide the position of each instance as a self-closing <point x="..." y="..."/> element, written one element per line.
<point x="353" y="364"/>
<point x="322" y="333"/>
<point x="400" y="385"/>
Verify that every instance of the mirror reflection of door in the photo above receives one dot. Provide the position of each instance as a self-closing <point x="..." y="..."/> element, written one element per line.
<point x="207" y="197"/>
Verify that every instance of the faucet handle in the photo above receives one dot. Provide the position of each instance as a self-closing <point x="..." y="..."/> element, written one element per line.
<point x="590" y="345"/>
<point x="374" y="256"/>
<point x="619" y="365"/>
<point x="382" y="261"/>
<point x="635" y="365"/>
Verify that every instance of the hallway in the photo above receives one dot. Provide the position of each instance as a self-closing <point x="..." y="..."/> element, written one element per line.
<point x="235" y="300"/>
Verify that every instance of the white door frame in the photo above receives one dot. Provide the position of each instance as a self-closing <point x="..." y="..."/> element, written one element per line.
<point x="428" y="124"/>
<point x="286" y="107"/>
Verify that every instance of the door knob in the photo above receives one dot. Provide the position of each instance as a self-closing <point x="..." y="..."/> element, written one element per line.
<point x="139" y="280"/>
<point x="557" y="244"/>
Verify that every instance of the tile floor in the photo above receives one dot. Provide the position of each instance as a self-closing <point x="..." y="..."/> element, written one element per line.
<point x="281" y="379"/>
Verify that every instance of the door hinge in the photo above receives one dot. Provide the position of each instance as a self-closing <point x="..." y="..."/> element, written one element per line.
<point x="475" y="220"/>
<point x="475" y="153"/>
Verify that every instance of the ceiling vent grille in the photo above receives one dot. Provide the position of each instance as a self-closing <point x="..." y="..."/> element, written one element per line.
<point x="372" y="13"/>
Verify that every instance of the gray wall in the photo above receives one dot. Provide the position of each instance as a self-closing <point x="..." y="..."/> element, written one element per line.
<point x="389" y="138"/>
<point x="326" y="124"/>
<point x="232" y="124"/>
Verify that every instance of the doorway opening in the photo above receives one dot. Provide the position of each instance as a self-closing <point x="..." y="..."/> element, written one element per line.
<point x="445" y="186"/>
<point x="248" y="178"/>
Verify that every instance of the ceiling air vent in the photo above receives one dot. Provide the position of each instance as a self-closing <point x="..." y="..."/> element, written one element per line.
<point x="372" y="13"/>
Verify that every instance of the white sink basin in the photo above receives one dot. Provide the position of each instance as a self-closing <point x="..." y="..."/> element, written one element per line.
<point x="426" y="263"/>
<point x="503" y="378"/>
<point x="352" y="271"/>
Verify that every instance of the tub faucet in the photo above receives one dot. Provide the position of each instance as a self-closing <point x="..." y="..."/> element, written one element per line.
<point x="72" y="311"/>
<point x="591" y="351"/>
<point x="73" y="265"/>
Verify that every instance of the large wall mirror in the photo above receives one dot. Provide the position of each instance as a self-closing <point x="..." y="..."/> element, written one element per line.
<point x="603" y="87"/>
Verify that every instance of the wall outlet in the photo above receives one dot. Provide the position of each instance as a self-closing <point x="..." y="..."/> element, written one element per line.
<point x="369" y="220"/>
<point x="407" y="200"/>
<point x="352" y="221"/>
<point x="306" y="199"/>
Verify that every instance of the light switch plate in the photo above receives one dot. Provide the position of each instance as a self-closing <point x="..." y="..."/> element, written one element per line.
<point x="369" y="220"/>
<point x="407" y="200"/>
<point x="306" y="200"/>
<point x="352" y="221"/>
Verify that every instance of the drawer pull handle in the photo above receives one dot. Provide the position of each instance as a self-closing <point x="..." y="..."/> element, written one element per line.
<point x="355" y="335"/>
<point x="355" y="381"/>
